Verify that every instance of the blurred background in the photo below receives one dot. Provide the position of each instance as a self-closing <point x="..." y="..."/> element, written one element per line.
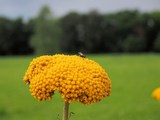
<point x="123" y="36"/>
<point x="52" y="26"/>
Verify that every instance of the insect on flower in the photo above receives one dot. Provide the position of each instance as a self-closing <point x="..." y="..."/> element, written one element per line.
<point x="81" y="55"/>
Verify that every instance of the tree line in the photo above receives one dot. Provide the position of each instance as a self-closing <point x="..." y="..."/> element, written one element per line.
<point x="124" y="31"/>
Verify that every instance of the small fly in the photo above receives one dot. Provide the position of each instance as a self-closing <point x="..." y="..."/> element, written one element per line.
<point x="81" y="55"/>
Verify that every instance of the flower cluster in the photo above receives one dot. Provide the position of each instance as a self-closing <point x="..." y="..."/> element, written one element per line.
<point x="156" y="94"/>
<point x="76" y="78"/>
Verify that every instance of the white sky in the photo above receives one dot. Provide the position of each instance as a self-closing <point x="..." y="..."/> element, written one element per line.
<point x="29" y="8"/>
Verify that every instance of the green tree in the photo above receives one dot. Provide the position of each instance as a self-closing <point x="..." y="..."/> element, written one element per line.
<point x="82" y="32"/>
<point x="70" y="42"/>
<point x="152" y="21"/>
<point x="134" y="43"/>
<point x="156" y="46"/>
<point x="93" y="32"/>
<point x="117" y="27"/>
<point x="46" y="33"/>
<point x="14" y="37"/>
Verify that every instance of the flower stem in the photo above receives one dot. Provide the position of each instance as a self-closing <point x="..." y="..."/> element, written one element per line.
<point x="66" y="111"/>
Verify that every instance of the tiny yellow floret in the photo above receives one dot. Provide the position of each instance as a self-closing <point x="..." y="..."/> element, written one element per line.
<point x="156" y="94"/>
<point x="76" y="78"/>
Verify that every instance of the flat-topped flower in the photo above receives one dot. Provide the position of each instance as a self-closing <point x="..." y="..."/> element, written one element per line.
<point x="76" y="78"/>
<point x="156" y="94"/>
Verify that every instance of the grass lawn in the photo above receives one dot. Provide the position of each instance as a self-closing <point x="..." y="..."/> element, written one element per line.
<point x="133" y="77"/>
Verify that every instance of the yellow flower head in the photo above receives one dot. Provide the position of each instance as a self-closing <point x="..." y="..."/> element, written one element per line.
<point x="76" y="78"/>
<point x="156" y="94"/>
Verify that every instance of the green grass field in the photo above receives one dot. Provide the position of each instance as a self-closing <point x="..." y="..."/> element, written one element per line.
<point x="133" y="77"/>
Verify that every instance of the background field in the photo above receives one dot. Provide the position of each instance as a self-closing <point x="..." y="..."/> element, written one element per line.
<point x="134" y="77"/>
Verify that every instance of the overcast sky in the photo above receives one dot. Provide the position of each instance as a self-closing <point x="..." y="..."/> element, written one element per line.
<point x="29" y="8"/>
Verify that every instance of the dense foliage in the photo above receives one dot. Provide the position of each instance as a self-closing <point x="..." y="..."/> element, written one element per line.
<point x="14" y="37"/>
<point x="125" y="31"/>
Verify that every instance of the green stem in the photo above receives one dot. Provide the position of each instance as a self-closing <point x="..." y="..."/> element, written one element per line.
<point x="66" y="111"/>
